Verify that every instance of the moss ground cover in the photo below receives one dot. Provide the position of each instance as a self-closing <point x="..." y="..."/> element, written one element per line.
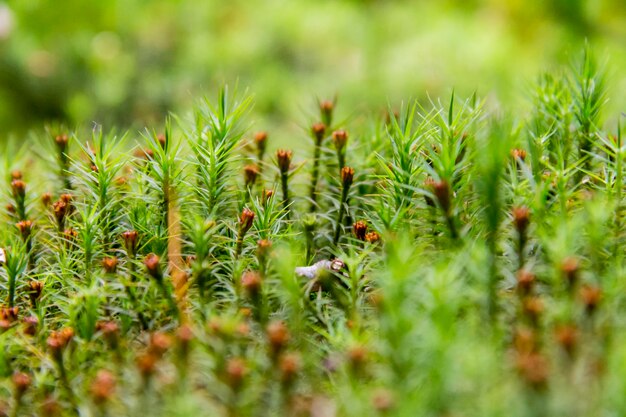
<point x="447" y="259"/>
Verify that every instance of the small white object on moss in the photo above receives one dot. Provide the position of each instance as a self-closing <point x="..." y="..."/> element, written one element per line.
<point x="313" y="271"/>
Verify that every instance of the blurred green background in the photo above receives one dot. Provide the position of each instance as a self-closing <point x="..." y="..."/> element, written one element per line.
<point x="128" y="62"/>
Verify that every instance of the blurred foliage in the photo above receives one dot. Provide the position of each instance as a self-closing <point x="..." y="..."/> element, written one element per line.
<point x="126" y="62"/>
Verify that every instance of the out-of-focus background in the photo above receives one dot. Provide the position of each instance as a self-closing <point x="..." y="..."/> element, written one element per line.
<point x="128" y="62"/>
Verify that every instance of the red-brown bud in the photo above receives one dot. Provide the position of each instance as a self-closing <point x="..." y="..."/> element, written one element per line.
<point x="383" y="400"/>
<point x="110" y="331"/>
<point x="18" y="187"/>
<point x="250" y="174"/>
<point x="70" y="235"/>
<point x="162" y="139"/>
<point x="567" y="337"/>
<point x="146" y="363"/>
<point x="521" y="219"/>
<point x="260" y="138"/>
<point x="591" y="297"/>
<point x="35" y="290"/>
<point x="245" y="220"/>
<point x="50" y="407"/>
<point x="326" y="111"/>
<point x="58" y="340"/>
<point x="570" y="269"/>
<point x="525" y="340"/>
<point x="533" y="307"/>
<point x="61" y="142"/>
<point x="278" y="336"/>
<point x="251" y="283"/>
<point x="289" y="365"/>
<point x="518" y="154"/>
<point x="146" y="154"/>
<point x="4" y="325"/>
<point x="360" y="229"/>
<point x="60" y="209"/>
<point x="267" y="194"/>
<point x="103" y="387"/>
<point x="153" y="266"/>
<point x="46" y="199"/>
<point x="533" y="368"/>
<point x="159" y="343"/>
<point x="236" y="370"/>
<point x="109" y="264"/>
<point x="243" y="328"/>
<point x="283" y="158"/>
<point x="30" y="324"/>
<point x="429" y="184"/>
<point x="441" y="189"/>
<point x="340" y="139"/>
<point x="347" y="177"/>
<point x="372" y="237"/>
<point x="319" y="132"/>
<point x="25" y="227"/>
<point x="357" y="356"/>
<point x="21" y="382"/>
<point x="184" y="336"/>
<point x="121" y="181"/>
<point x="130" y="238"/>
<point x="525" y="281"/>
<point x="9" y="313"/>
<point x="66" y="198"/>
<point x="263" y="248"/>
